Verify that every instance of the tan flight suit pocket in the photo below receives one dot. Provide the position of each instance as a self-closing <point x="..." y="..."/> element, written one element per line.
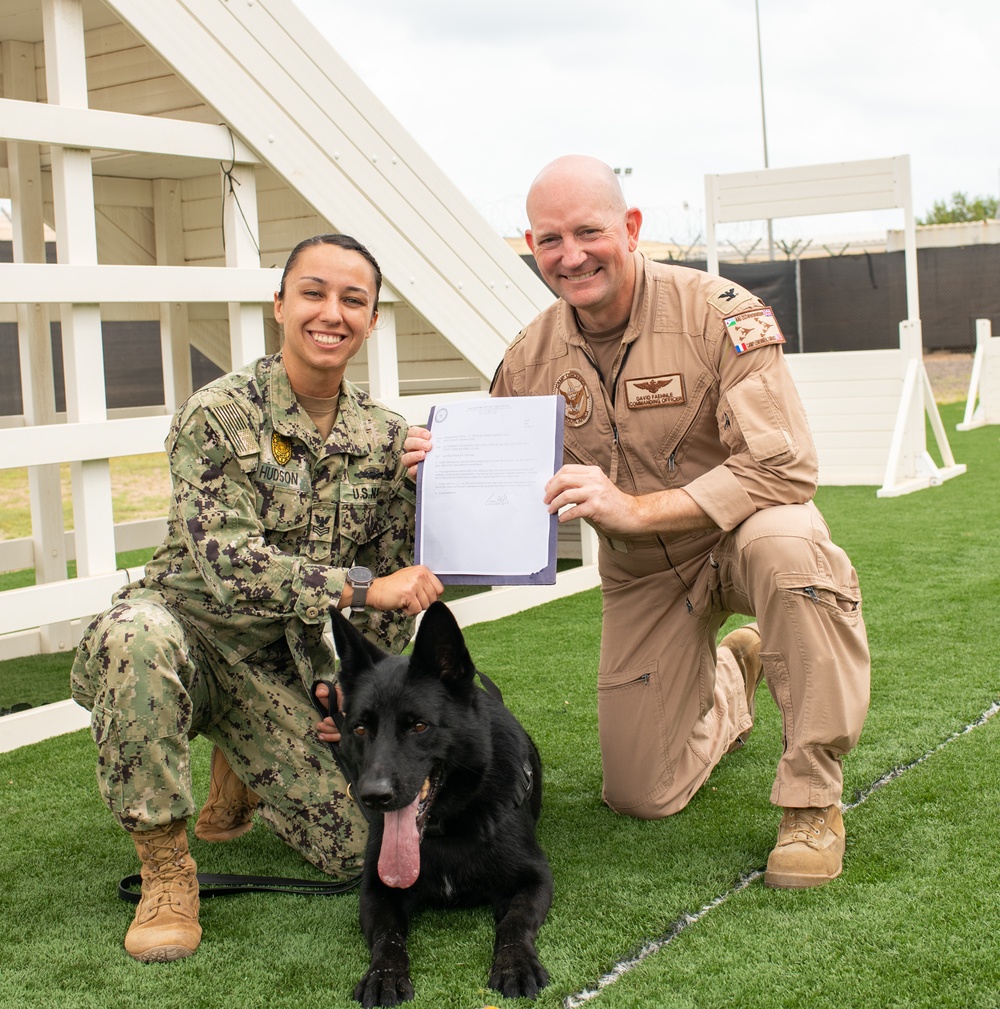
<point x="760" y="422"/>
<point x="633" y="747"/>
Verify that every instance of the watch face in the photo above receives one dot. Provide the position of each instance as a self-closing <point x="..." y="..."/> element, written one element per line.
<point x="360" y="575"/>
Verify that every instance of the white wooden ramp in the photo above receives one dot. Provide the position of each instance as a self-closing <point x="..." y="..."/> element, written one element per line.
<point x="281" y="106"/>
<point x="285" y="92"/>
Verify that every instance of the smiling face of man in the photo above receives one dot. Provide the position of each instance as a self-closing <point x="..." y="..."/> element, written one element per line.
<point x="327" y="311"/>
<point x="583" y="236"/>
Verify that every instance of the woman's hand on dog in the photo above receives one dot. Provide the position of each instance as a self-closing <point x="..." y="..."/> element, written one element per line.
<point x="326" y="729"/>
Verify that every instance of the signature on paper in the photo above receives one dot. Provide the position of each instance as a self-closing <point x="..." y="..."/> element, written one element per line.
<point x="497" y="500"/>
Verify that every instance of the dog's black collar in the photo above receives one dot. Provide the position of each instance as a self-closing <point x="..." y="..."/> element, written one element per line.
<point x="527" y="784"/>
<point x="491" y="688"/>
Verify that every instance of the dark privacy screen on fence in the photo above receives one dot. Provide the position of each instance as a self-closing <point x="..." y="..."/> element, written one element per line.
<point x="848" y="302"/>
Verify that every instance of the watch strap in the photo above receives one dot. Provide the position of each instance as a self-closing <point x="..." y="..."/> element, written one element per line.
<point x="359" y="593"/>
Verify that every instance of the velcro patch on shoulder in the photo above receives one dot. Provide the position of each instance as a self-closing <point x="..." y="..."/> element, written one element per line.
<point x="728" y="296"/>
<point x="753" y="329"/>
<point x="237" y="429"/>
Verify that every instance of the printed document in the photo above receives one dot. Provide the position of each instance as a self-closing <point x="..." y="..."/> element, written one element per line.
<point x="481" y="518"/>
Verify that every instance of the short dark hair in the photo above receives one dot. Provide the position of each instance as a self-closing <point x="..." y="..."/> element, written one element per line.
<point x="343" y="242"/>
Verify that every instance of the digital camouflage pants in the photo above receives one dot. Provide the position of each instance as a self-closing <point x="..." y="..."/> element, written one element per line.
<point x="152" y="685"/>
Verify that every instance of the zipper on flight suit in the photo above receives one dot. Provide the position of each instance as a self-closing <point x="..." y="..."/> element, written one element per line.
<point x="619" y="451"/>
<point x="613" y="395"/>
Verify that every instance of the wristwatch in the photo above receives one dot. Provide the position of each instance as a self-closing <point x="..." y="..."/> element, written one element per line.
<point x="359" y="579"/>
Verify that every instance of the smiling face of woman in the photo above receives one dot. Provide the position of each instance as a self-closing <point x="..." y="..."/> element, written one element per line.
<point x="327" y="311"/>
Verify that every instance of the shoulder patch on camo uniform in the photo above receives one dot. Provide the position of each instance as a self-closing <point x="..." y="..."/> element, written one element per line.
<point x="579" y="402"/>
<point x="236" y="428"/>
<point x="755" y="328"/>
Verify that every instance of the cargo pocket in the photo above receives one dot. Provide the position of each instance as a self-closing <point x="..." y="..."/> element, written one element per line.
<point x="110" y="759"/>
<point x="633" y="745"/>
<point x="144" y="781"/>
<point x="101" y="726"/>
<point x="843" y="602"/>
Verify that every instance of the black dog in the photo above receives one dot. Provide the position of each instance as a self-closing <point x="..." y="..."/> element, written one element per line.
<point x="453" y="785"/>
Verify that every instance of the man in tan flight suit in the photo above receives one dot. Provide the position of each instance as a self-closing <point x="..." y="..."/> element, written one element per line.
<point x="688" y="450"/>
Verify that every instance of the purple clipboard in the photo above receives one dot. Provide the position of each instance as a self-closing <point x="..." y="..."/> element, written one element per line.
<point x="545" y="575"/>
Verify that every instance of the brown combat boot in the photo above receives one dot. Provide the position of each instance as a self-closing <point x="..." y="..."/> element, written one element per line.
<point x="810" y="848"/>
<point x="744" y="643"/>
<point x="165" y="926"/>
<point x="228" y="810"/>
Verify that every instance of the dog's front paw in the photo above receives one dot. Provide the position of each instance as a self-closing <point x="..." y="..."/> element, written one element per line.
<point x="517" y="972"/>
<point x="384" y="986"/>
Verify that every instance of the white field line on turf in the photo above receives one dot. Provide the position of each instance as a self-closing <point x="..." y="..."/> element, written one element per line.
<point x="685" y="921"/>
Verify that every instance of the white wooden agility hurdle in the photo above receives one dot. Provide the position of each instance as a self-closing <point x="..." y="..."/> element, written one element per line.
<point x="983" y="404"/>
<point x="866" y="408"/>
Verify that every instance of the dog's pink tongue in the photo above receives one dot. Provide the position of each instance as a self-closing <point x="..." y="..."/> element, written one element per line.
<point x="399" y="859"/>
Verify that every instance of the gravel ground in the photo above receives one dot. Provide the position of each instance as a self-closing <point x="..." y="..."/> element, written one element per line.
<point x="949" y="374"/>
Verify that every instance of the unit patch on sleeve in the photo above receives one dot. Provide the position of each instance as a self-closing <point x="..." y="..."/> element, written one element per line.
<point x="752" y="329"/>
<point x="657" y="390"/>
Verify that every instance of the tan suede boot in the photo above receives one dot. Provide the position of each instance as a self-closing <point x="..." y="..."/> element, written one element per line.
<point x="810" y="848"/>
<point x="228" y="810"/>
<point x="744" y="643"/>
<point x="165" y="926"/>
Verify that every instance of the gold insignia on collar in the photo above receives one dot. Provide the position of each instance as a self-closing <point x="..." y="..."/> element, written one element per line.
<point x="280" y="448"/>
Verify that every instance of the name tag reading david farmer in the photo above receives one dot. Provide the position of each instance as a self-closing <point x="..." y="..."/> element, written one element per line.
<point x="753" y="329"/>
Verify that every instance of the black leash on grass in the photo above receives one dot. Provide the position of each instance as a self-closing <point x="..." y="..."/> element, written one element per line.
<point x="225" y="885"/>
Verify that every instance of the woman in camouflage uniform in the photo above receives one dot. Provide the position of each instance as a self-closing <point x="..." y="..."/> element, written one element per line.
<point x="285" y="478"/>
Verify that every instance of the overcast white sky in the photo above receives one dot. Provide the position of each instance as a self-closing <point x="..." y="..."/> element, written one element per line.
<point x="495" y="90"/>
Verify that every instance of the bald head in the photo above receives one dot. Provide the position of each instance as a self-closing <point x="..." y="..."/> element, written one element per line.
<point x="583" y="176"/>
<point x="583" y="235"/>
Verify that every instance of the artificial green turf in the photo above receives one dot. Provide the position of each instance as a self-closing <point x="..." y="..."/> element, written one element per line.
<point x="42" y="679"/>
<point x="911" y="922"/>
<point x="34" y="680"/>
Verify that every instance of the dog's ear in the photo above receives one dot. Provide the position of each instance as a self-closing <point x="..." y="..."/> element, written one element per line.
<point x="355" y="651"/>
<point x="440" y="647"/>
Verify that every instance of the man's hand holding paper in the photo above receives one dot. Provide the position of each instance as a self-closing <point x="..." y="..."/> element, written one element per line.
<point x="481" y="514"/>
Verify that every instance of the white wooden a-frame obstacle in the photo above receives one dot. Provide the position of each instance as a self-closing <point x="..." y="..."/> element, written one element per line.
<point x="110" y="134"/>
<point x="983" y="404"/>
<point x="866" y="408"/>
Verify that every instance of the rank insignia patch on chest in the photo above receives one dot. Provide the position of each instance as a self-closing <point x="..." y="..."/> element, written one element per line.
<point x="657" y="390"/>
<point x="280" y="449"/>
<point x="579" y="401"/>
<point x="755" y="328"/>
